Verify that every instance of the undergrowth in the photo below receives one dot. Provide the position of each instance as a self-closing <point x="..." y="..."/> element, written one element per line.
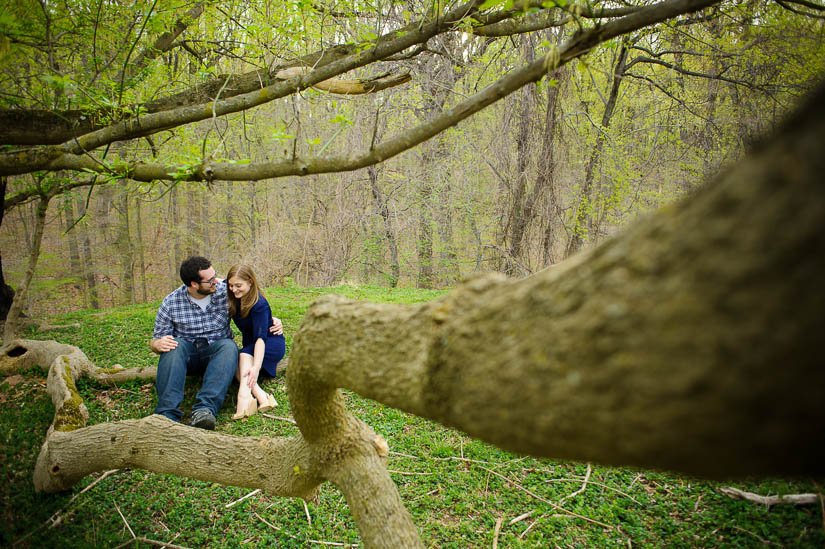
<point x="457" y="489"/>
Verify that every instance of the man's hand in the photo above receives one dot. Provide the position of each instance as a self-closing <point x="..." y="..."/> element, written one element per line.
<point x="277" y="328"/>
<point x="163" y="344"/>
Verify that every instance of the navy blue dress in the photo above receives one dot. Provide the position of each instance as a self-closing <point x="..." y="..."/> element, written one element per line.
<point x="256" y="325"/>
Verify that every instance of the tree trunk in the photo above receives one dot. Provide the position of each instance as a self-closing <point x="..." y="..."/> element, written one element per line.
<point x="140" y="248"/>
<point x="543" y="186"/>
<point x="86" y="256"/>
<point x="450" y="270"/>
<point x="389" y="232"/>
<point x="123" y="243"/>
<point x="516" y="221"/>
<point x="6" y="291"/>
<point x="19" y="303"/>
<point x="424" y="240"/>
<point x="583" y="222"/>
<point x="70" y="235"/>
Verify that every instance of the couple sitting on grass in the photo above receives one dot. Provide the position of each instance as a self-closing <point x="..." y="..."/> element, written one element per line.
<point x="193" y="337"/>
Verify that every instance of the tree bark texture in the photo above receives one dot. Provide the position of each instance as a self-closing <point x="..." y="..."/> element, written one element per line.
<point x="686" y="343"/>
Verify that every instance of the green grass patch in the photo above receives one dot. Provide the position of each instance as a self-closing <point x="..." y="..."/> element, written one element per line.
<point x="451" y="484"/>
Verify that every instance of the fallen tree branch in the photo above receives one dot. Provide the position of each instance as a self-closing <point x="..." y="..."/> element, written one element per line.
<point x="789" y="499"/>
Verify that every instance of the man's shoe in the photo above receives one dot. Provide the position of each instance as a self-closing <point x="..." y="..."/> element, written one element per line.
<point x="202" y="419"/>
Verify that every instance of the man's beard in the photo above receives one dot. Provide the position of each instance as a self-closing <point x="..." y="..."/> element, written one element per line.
<point x="202" y="294"/>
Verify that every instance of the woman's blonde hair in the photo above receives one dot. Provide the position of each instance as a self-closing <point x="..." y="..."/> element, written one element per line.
<point x="244" y="272"/>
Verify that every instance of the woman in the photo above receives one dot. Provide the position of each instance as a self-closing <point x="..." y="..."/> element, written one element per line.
<point x="261" y="350"/>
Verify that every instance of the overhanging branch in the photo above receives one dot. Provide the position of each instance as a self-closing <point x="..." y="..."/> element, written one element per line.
<point x="578" y="45"/>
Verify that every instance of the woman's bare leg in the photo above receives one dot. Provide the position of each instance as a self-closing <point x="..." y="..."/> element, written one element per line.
<point x="244" y="393"/>
<point x="259" y="394"/>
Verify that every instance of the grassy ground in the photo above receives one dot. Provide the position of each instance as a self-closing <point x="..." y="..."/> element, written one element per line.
<point x="456" y="488"/>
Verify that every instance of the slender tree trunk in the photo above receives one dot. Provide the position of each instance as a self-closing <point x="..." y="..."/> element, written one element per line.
<point x="230" y="214"/>
<point x="516" y="219"/>
<point x="583" y="222"/>
<point x="86" y="256"/>
<point x="251" y="207"/>
<point x="450" y="269"/>
<point x="178" y="257"/>
<point x="192" y="243"/>
<point x="389" y="232"/>
<point x="71" y="241"/>
<point x="424" y="241"/>
<point x="140" y="248"/>
<point x="123" y="243"/>
<point x="18" y="305"/>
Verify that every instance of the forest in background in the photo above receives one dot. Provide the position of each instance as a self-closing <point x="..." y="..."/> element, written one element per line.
<point x="549" y="169"/>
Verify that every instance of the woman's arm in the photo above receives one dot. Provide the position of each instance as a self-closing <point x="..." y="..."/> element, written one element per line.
<point x="257" y="361"/>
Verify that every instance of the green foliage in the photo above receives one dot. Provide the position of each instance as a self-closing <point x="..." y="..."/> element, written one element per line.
<point x="451" y="484"/>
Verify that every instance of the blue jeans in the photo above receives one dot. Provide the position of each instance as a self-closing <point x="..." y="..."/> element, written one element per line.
<point x="216" y="362"/>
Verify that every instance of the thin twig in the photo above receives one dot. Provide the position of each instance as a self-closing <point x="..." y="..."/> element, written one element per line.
<point x="521" y="517"/>
<point x="496" y="532"/>
<point x="431" y="492"/>
<point x="547" y="501"/>
<point x="249" y="495"/>
<point x="288" y="420"/>
<point x="403" y="455"/>
<point x="595" y="483"/>
<point x="306" y="510"/>
<point x="124" y="521"/>
<point x="580" y="490"/>
<point x="407" y="473"/>
<point x="521" y="536"/>
<point x="159" y="543"/>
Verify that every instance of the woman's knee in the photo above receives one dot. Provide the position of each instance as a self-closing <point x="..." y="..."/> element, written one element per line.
<point x="244" y="362"/>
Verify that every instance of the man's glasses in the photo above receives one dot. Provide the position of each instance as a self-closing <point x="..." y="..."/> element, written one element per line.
<point x="212" y="281"/>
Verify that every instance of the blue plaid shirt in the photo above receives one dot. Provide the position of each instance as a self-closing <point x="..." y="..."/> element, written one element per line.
<point x="181" y="317"/>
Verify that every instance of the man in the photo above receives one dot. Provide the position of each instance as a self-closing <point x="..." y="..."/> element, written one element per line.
<point x="193" y="337"/>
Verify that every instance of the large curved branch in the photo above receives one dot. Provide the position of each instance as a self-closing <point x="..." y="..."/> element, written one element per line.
<point x="22" y="354"/>
<point x="24" y="161"/>
<point x="352" y="457"/>
<point x="21" y="162"/>
<point x="33" y="127"/>
<point x="685" y="343"/>
<point x="160" y="445"/>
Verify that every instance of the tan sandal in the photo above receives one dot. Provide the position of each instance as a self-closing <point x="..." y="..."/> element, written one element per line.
<point x="270" y="404"/>
<point x="251" y="410"/>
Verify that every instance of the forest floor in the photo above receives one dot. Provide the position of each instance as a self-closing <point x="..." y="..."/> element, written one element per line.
<point x="460" y="492"/>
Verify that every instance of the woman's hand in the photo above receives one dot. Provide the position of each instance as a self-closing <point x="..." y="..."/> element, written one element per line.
<point x="252" y="376"/>
<point x="277" y="328"/>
